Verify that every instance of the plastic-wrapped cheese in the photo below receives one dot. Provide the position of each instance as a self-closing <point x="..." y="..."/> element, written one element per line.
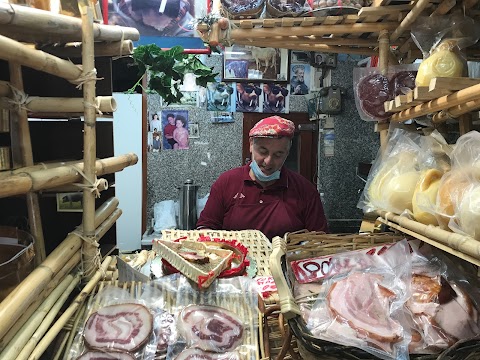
<point x="425" y="196"/>
<point x="398" y="192"/>
<point x="444" y="62"/>
<point x="468" y="213"/>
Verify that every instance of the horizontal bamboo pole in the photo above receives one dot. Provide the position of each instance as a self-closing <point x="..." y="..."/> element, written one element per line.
<point x="14" y="51"/>
<point x="47" y="23"/>
<point x="12" y="307"/>
<point x="419" y="6"/>
<point x="326" y="48"/>
<point x="71" y="50"/>
<point x="69" y="266"/>
<point x="278" y="41"/>
<point x="14" y="347"/>
<point x="456" y="111"/>
<point x="318" y="30"/>
<point x="464" y="244"/>
<point x="63" y="105"/>
<point x="69" y="312"/>
<point x="26" y="181"/>
<point x="47" y="321"/>
<point x="102" y="186"/>
<point x="445" y="102"/>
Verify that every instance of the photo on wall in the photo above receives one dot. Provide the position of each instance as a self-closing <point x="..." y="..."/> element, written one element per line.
<point x="249" y="97"/>
<point x="276" y="98"/>
<point x="300" y="79"/>
<point x="221" y="117"/>
<point x="193" y="131"/>
<point x="70" y="202"/>
<point x="189" y="98"/>
<point x="156" y="141"/>
<point x="155" y="123"/>
<point x="220" y="96"/>
<point x="175" y="129"/>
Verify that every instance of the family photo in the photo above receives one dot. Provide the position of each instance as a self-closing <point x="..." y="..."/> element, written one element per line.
<point x="175" y="130"/>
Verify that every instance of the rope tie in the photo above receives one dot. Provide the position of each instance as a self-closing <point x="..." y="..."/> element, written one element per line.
<point x="85" y="77"/>
<point x="92" y="185"/>
<point x="89" y="267"/>
<point x="121" y="50"/>
<point x="447" y="114"/>
<point x="96" y="106"/>
<point x="19" y="99"/>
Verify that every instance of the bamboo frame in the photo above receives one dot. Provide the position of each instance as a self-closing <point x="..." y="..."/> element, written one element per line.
<point x="456" y="111"/>
<point x="64" y="105"/>
<point x="4" y="89"/>
<point x="13" y="306"/>
<point x="463" y="244"/>
<point x="60" y="323"/>
<point x="383" y="59"/>
<point x="320" y="47"/>
<point x="22" y="337"/>
<point x="25" y="180"/>
<point x="24" y="141"/>
<point x="115" y="48"/>
<point x="47" y="24"/>
<point x="309" y="40"/>
<point x="448" y="101"/>
<point x="419" y="6"/>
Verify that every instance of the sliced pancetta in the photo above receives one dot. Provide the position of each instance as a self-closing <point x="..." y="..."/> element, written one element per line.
<point x="210" y="328"/>
<point x="104" y="355"/>
<point x="125" y="327"/>
<point x="197" y="354"/>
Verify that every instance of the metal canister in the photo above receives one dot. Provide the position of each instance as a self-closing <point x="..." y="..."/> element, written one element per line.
<point x="187" y="219"/>
<point x="5" y="158"/>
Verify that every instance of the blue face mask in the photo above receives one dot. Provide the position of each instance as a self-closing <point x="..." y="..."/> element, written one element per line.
<point x="260" y="176"/>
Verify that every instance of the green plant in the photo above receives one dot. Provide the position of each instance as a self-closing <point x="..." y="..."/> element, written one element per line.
<point x="166" y="70"/>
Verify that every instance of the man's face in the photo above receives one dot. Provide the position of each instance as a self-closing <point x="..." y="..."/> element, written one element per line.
<point x="171" y="121"/>
<point x="300" y="75"/>
<point x="269" y="153"/>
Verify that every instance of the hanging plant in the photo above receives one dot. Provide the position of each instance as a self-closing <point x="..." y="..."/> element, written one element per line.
<point x="166" y="70"/>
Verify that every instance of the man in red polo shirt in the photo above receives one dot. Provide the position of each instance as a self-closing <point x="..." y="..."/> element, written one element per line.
<point x="264" y="195"/>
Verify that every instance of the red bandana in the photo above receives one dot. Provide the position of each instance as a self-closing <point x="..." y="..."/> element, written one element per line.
<point x="273" y="126"/>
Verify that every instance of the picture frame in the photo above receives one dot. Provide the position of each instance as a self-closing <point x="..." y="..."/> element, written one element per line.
<point x="70" y="202"/>
<point x="255" y="64"/>
<point x="193" y="131"/>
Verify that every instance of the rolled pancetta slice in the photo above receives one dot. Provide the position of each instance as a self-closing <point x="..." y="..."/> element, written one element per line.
<point x="104" y="355"/>
<point x="197" y="354"/>
<point x="125" y="327"/>
<point x="210" y="328"/>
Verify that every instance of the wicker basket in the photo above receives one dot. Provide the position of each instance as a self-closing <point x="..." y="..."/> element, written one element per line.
<point x="252" y="13"/>
<point x="298" y="246"/>
<point x="275" y="12"/>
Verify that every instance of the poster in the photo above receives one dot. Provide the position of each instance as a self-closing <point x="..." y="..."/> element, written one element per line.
<point x="175" y="130"/>
<point x="276" y="98"/>
<point x="300" y="79"/>
<point x="249" y="97"/>
<point x="220" y="97"/>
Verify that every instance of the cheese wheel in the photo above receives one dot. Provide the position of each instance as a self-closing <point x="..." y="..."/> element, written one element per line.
<point x="398" y="192"/>
<point x="468" y="213"/>
<point x="450" y="194"/>
<point x="425" y="196"/>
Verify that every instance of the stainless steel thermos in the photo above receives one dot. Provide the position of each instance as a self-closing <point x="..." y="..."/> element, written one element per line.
<point x="187" y="219"/>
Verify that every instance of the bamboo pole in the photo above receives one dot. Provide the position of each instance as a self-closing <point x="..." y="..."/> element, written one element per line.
<point x="63" y="319"/>
<point x="456" y="111"/>
<point x="80" y="316"/>
<point x="115" y="48"/>
<point x="38" y="60"/>
<point x="47" y="321"/>
<point x="4" y="89"/>
<point x="89" y="251"/>
<point x="299" y="46"/>
<point x="26" y="181"/>
<point x="308" y="40"/>
<point x="69" y="266"/>
<point x="383" y="57"/>
<point x="12" y="307"/>
<point x="14" y="347"/>
<point x="445" y="102"/>
<point x="317" y="30"/>
<point x="46" y="23"/>
<point x="63" y="105"/>
<point x="33" y="206"/>
<point x="419" y="6"/>
<point x="464" y="244"/>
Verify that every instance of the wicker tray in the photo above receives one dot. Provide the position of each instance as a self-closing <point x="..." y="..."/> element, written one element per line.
<point x="297" y="246"/>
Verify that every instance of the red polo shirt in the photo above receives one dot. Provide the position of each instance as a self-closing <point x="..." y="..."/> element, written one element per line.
<point x="237" y="202"/>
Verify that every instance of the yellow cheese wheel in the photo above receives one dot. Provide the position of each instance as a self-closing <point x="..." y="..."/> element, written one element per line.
<point x="425" y="196"/>
<point x="398" y="192"/>
<point x="469" y="212"/>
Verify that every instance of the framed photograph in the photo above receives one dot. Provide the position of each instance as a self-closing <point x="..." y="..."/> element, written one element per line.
<point x="193" y="131"/>
<point x="241" y="63"/>
<point x="300" y="79"/>
<point x="175" y="130"/>
<point x="70" y="202"/>
<point x="276" y="98"/>
<point x="249" y="97"/>
<point x="219" y="117"/>
<point x="220" y="96"/>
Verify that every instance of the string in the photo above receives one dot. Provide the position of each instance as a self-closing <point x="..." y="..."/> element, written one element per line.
<point x="121" y="49"/>
<point x="93" y="186"/>
<point x="95" y="106"/>
<point x="85" y="77"/>
<point x="19" y="99"/>
<point x="95" y="263"/>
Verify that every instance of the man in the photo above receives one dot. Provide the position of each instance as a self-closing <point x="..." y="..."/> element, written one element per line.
<point x="169" y="129"/>
<point x="264" y="195"/>
<point x="298" y="85"/>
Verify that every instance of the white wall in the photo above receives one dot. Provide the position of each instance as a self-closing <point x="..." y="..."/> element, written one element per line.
<point x="127" y="138"/>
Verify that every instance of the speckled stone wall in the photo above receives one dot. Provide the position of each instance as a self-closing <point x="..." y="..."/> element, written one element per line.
<point x="220" y="148"/>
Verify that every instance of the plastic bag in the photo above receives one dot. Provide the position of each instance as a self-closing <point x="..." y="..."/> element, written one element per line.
<point x="201" y="202"/>
<point x="372" y="89"/>
<point x="365" y="306"/>
<point x="164" y="215"/>
<point x="441" y="39"/>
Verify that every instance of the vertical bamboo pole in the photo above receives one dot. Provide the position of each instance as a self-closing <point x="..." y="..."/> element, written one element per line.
<point x="383" y="56"/>
<point x="465" y="123"/>
<point x="89" y="251"/>
<point x="24" y="141"/>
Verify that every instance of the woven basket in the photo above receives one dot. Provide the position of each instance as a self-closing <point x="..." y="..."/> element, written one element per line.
<point x="277" y="13"/>
<point x="298" y="246"/>
<point x="202" y="274"/>
<point x="253" y="13"/>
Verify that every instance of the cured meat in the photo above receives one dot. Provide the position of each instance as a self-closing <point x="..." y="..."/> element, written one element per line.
<point x="125" y="327"/>
<point x="194" y="257"/>
<point x="210" y="328"/>
<point x="374" y="88"/>
<point x="402" y="82"/>
<point x="364" y="304"/>
<point x="104" y="355"/>
<point x="376" y="111"/>
<point x="167" y="331"/>
<point x="197" y="354"/>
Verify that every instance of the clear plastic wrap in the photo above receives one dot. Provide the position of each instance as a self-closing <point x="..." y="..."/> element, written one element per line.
<point x="441" y="39"/>
<point x="365" y="306"/>
<point x="372" y="89"/>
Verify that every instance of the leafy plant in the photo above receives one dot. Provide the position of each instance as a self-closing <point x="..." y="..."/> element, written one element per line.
<point x="166" y="70"/>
